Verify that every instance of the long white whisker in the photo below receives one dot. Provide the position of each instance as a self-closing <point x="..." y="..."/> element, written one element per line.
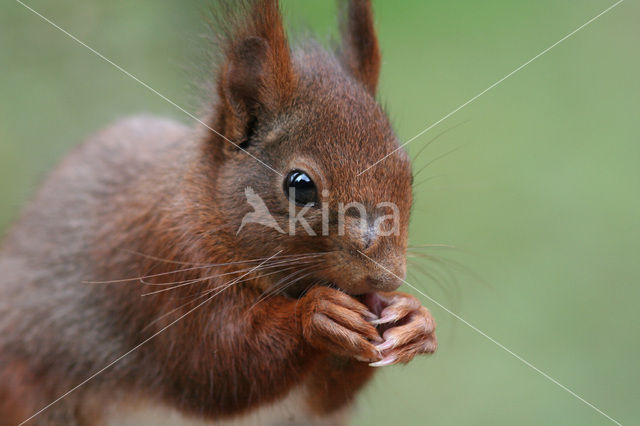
<point x="202" y="266"/>
<point x="283" y="287"/>
<point x="177" y="284"/>
<point x="189" y="282"/>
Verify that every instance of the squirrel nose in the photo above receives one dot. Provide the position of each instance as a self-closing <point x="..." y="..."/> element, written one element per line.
<point x="369" y="237"/>
<point x="362" y="234"/>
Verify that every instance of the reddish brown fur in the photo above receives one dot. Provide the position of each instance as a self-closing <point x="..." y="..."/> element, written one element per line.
<point x="361" y="53"/>
<point x="16" y="392"/>
<point x="156" y="200"/>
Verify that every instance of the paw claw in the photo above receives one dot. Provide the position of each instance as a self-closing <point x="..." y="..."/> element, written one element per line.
<point x="384" y="362"/>
<point x="388" y="344"/>
<point x="365" y="359"/>
<point x="384" y="320"/>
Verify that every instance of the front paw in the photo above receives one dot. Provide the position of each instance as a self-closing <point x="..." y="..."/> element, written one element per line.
<point x="341" y="325"/>
<point x="407" y="327"/>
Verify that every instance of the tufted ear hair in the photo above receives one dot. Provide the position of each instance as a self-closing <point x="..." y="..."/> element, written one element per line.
<point x="360" y="52"/>
<point x="256" y="76"/>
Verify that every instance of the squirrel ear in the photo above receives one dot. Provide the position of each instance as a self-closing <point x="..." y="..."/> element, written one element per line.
<point x="246" y="73"/>
<point x="257" y="75"/>
<point x="360" y="52"/>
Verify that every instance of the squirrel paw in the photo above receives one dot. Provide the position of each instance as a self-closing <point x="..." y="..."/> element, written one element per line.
<point x="338" y="323"/>
<point x="407" y="327"/>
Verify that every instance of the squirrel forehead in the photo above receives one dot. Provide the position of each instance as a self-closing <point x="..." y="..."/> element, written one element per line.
<point x="338" y="117"/>
<point x="344" y="134"/>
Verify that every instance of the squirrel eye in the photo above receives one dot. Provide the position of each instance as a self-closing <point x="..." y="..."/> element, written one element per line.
<point x="299" y="188"/>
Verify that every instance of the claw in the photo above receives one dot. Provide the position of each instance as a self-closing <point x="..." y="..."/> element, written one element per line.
<point x="384" y="320"/>
<point x="384" y="362"/>
<point x="364" y="359"/>
<point x="388" y="344"/>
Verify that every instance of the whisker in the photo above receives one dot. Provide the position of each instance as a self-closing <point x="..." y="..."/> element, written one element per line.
<point x="288" y="285"/>
<point x="209" y="291"/>
<point x="434" y="276"/>
<point x="224" y="287"/>
<point x="276" y="288"/>
<point x="436" y="137"/>
<point x="427" y="179"/>
<point x="439" y="157"/>
<point x="445" y="261"/>
<point x="202" y="266"/>
<point x="438" y="263"/>
<point x="209" y="264"/>
<point x="193" y="281"/>
<point x="420" y="246"/>
<point x="141" y="278"/>
<point x="268" y="266"/>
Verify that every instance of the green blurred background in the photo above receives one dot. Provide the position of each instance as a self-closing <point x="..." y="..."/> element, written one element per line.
<point x="541" y="200"/>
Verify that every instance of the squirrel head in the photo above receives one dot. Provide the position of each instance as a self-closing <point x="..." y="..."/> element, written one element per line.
<point x="304" y="124"/>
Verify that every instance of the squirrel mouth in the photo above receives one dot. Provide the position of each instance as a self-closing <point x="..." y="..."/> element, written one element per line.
<point x="372" y="301"/>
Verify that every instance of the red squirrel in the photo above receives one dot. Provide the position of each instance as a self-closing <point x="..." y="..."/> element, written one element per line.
<point x="132" y="291"/>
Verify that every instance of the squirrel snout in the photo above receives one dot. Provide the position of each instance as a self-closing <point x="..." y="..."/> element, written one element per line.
<point x="387" y="272"/>
<point x="386" y="263"/>
<point x="387" y="283"/>
<point x="369" y="237"/>
<point x="361" y="233"/>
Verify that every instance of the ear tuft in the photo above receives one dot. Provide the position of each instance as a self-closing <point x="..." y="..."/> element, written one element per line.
<point x="256" y="75"/>
<point x="360" y="52"/>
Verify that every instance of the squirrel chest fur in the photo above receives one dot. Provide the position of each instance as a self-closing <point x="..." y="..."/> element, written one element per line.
<point x="133" y="292"/>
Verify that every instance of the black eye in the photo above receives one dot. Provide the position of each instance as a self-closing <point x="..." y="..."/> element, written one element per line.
<point x="299" y="188"/>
